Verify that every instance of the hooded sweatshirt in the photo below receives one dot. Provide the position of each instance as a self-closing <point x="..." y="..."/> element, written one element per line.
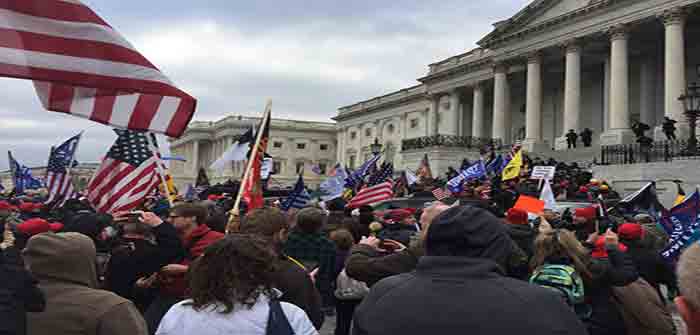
<point x="64" y="264"/>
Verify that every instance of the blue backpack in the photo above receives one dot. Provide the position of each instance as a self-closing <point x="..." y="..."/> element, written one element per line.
<point x="565" y="281"/>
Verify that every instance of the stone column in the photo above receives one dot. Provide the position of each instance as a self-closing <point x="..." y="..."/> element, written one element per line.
<point x="533" y="105"/>
<point x="478" y="112"/>
<point x="674" y="70"/>
<point x="426" y="121"/>
<point x="499" y="102"/>
<point x="647" y="92"/>
<point x="433" y="116"/>
<point x="619" y="131"/>
<point x="195" y="157"/>
<point x="572" y="92"/>
<point x="340" y="147"/>
<point x="451" y="118"/>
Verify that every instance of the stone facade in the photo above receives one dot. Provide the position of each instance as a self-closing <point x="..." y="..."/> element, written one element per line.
<point x="81" y="175"/>
<point x="292" y="144"/>
<point x="555" y="65"/>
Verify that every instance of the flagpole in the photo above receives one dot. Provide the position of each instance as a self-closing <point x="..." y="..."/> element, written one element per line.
<point x="159" y="167"/>
<point x="234" y="213"/>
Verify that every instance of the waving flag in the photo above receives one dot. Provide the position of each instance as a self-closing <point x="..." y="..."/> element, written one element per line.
<point x="411" y="178"/>
<point x="251" y="186"/>
<point x="372" y="194"/>
<point x="237" y="152"/>
<point x="22" y="176"/>
<point x="680" y="195"/>
<point x="495" y="165"/>
<point x="298" y="198"/>
<point x="358" y="176"/>
<point x="512" y="170"/>
<point x="683" y="222"/>
<point x="643" y="200"/>
<point x="473" y="172"/>
<point x="81" y="66"/>
<point x="386" y="172"/>
<point x="333" y="187"/>
<point x="58" y="180"/>
<point x="547" y="195"/>
<point x="127" y="174"/>
<point x="441" y="194"/>
<point x="424" y="171"/>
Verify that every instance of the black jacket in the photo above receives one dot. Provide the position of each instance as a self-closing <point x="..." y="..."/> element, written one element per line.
<point x="18" y="294"/>
<point x="136" y="258"/>
<point x="524" y="237"/>
<point x="651" y="266"/>
<point x="461" y="295"/>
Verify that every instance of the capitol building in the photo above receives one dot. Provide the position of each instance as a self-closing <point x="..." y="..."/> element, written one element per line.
<point x="553" y="66"/>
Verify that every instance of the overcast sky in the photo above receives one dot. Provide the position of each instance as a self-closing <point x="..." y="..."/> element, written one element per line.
<point x="310" y="57"/>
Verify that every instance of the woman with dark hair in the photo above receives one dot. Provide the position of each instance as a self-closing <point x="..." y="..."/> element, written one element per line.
<point x="231" y="293"/>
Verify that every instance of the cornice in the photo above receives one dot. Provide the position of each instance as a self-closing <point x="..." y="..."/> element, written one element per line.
<point x="458" y="70"/>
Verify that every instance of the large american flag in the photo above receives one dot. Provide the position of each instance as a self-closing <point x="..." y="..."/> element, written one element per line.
<point x="372" y="194"/>
<point x="127" y="174"/>
<point x="58" y="180"/>
<point x="81" y="66"/>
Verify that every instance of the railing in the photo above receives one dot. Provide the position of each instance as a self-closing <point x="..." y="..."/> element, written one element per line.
<point x="664" y="151"/>
<point x="467" y="142"/>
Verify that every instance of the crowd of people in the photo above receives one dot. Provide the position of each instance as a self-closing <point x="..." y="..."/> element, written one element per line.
<point x="481" y="267"/>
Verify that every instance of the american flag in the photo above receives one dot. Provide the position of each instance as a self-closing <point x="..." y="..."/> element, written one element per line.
<point x="298" y="198"/>
<point x="358" y="176"/>
<point x="440" y="193"/>
<point x="372" y="194"/>
<point x="58" y="180"/>
<point x="386" y="172"/>
<point x="127" y="175"/>
<point x="81" y="66"/>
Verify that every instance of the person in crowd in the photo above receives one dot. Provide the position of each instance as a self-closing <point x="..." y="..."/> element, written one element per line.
<point x="307" y="244"/>
<point x="232" y="292"/>
<point x="587" y="137"/>
<point x="639" y="128"/>
<point x="399" y="225"/>
<point x="336" y="215"/>
<point x="367" y="264"/>
<point x="289" y="276"/>
<point x="146" y="245"/>
<point x="64" y="264"/>
<point x="188" y="220"/>
<point x="560" y="247"/>
<point x="584" y="222"/>
<point x="19" y="293"/>
<point x="520" y="230"/>
<point x="669" y="128"/>
<point x="654" y="236"/>
<point x="688" y="303"/>
<point x="461" y="276"/>
<point x="348" y="293"/>
<point x="571" y="138"/>
<point x="654" y="269"/>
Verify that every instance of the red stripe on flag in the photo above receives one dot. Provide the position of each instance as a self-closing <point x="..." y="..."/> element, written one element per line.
<point x="128" y="188"/>
<point x="104" y="103"/>
<point x="102" y="173"/>
<point x="22" y="40"/>
<point x="61" y="98"/>
<point x="145" y="110"/>
<point x="53" y="9"/>
<point x="182" y="117"/>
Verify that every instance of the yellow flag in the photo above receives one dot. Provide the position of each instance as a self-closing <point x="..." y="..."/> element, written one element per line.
<point x="512" y="170"/>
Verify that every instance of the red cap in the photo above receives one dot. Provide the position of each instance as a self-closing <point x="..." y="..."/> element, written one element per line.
<point x="583" y="189"/>
<point x="599" y="248"/>
<point x="516" y="216"/>
<point x="214" y="197"/>
<point x="397" y="215"/>
<point x="586" y="212"/>
<point x="630" y="231"/>
<point x="26" y="207"/>
<point x="36" y="226"/>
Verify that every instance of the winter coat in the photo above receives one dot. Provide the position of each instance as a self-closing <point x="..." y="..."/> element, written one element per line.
<point x="367" y="265"/>
<point x="18" y="294"/>
<point x="314" y="250"/>
<point x="138" y="257"/>
<point x="64" y="264"/>
<point x="524" y="237"/>
<point x="571" y="137"/>
<point x="298" y="289"/>
<point x="651" y="266"/>
<point x="461" y="295"/>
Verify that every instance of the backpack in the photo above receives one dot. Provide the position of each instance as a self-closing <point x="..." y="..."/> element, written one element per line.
<point x="348" y="288"/>
<point x="564" y="280"/>
<point x="277" y="322"/>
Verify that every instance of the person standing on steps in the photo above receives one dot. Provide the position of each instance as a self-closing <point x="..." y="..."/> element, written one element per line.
<point x="587" y="137"/>
<point x="571" y="138"/>
<point x="669" y="128"/>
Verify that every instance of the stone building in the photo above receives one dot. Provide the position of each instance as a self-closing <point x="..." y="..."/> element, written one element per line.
<point x="553" y="66"/>
<point x="294" y="146"/>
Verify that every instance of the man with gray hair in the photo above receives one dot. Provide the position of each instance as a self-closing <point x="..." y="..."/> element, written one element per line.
<point x="688" y="303"/>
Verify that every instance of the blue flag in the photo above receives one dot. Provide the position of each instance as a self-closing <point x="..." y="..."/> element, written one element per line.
<point x="22" y="176"/>
<point x="475" y="171"/>
<point x="333" y="187"/>
<point x="681" y="223"/>
<point x="299" y="197"/>
<point x="495" y="165"/>
<point x="358" y="176"/>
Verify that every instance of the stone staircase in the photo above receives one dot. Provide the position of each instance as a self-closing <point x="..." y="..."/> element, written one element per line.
<point x="582" y="156"/>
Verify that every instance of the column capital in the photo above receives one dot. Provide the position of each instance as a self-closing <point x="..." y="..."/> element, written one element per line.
<point x="500" y="67"/>
<point x="674" y="16"/>
<point x="618" y="32"/>
<point x="572" y="46"/>
<point x="479" y="85"/>
<point x="534" y="57"/>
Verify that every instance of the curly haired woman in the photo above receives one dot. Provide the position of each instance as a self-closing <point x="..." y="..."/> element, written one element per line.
<point x="231" y="293"/>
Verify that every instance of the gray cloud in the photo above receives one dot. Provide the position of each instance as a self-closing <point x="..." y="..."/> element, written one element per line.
<point x="310" y="57"/>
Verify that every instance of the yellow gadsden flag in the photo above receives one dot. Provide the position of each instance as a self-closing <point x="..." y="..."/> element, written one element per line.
<point x="512" y="170"/>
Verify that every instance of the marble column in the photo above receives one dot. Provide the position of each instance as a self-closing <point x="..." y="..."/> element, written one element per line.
<point x="340" y="147"/>
<point x="533" y="105"/>
<point x="619" y="131"/>
<point x="500" y="102"/>
<point x="674" y="70"/>
<point x="478" y="123"/>
<point x="426" y="121"/>
<point x="433" y="115"/>
<point x="572" y="92"/>
<point x="451" y="118"/>
<point x="195" y="157"/>
<point x="647" y="92"/>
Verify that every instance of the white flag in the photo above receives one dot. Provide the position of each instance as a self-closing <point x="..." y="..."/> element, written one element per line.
<point x="548" y="196"/>
<point x="266" y="168"/>
<point x="237" y="152"/>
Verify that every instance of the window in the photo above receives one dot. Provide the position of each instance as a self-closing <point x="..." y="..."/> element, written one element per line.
<point x="368" y="132"/>
<point x="300" y="167"/>
<point x="276" y="167"/>
<point x="353" y="135"/>
<point x="301" y="146"/>
<point x="324" y="147"/>
<point x="414" y="123"/>
<point x="322" y="167"/>
<point x="277" y="144"/>
<point x="351" y="162"/>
